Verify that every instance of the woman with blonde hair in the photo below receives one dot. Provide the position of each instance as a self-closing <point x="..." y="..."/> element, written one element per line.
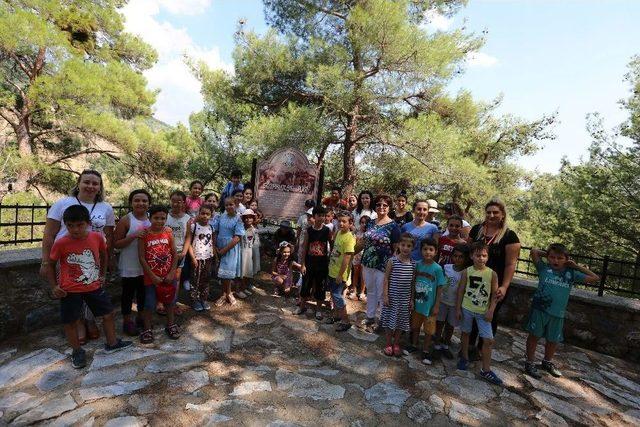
<point x="504" y="249"/>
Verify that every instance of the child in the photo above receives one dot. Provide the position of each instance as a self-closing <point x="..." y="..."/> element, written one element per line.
<point x="212" y="200"/>
<point x="448" y="242"/>
<point x="428" y="292"/>
<point x="157" y="253"/>
<point x="328" y="222"/>
<point x="229" y="230"/>
<point x="285" y="232"/>
<point x="130" y="229"/>
<point x="344" y="246"/>
<point x="358" y="285"/>
<point x="233" y="185"/>
<point x="180" y="224"/>
<point x="477" y="301"/>
<point x="250" y="252"/>
<point x="238" y="198"/>
<point x="447" y="320"/>
<point x="546" y="318"/>
<point x="202" y="254"/>
<point x="194" y="201"/>
<point x="302" y="238"/>
<point x="83" y="263"/>
<point x="283" y="266"/>
<point x="315" y="262"/>
<point x="398" y="294"/>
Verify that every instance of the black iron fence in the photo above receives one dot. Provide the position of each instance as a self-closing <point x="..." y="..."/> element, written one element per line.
<point x="24" y="224"/>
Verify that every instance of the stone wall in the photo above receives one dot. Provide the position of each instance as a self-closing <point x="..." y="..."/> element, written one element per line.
<point x="607" y="324"/>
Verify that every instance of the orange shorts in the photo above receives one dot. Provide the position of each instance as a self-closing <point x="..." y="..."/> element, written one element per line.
<point x="419" y="320"/>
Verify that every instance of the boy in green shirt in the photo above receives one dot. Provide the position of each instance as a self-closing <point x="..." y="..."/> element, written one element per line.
<point x="546" y="318"/>
<point x="344" y="245"/>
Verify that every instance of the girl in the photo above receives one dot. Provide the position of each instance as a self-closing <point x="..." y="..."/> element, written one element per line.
<point x="447" y="321"/>
<point x="212" y="200"/>
<point x="401" y="214"/>
<point x="250" y="252"/>
<point x="448" y="242"/>
<point x="238" y="197"/>
<point x="157" y="254"/>
<point x="247" y="195"/>
<point x="229" y="229"/>
<point x="352" y="203"/>
<point x="131" y="228"/>
<point x="202" y="255"/>
<point x="180" y="224"/>
<point x="194" y="201"/>
<point x="283" y="266"/>
<point x="398" y="293"/>
<point x="358" y="285"/>
<point x="365" y="199"/>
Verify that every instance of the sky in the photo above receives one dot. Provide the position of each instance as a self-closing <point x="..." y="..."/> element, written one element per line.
<point x="541" y="56"/>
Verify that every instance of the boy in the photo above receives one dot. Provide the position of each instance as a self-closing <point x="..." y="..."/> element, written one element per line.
<point x="231" y="186"/>
<point x="83" y="264"/>
<point x="448" y="242"/>
<point x="546" y="318"/>
<point x="344" y="247"/>
<point x="428" y="292"/>
<point x="315" y="262"/>
<point x="477" y="301"/>
<point x="334" y="200"/>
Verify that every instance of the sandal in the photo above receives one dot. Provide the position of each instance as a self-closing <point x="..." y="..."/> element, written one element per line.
<point x="232" y="299"/>
<point x="220" y="301"/>
<point x="388" y="351"/>
<point x="146" y="337"/>
<point x="362" y="297"/>
<point x="397" y="351"/>
<point x="173" y="331"/>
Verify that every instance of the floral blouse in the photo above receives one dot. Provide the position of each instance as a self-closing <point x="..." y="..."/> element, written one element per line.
<point x="378" y="244"/>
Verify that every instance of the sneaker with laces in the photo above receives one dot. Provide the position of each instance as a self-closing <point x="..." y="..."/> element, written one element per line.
<point x="197" y="306"/>
<point x="343" y="327"/>
<point x="79" y="358"/>
<point x="318" y="315"/>
<point x="119" y="345"/>
<point x="463" y="364"/>
<point x="205" y="305"/>
<point x="331" y="320"/>
<point x="427" y="358"/>
<point x="491" y="377"/>
<point x="409" y="350"/>
<point x="531" y="370"/>
<point x="550" y="368"/>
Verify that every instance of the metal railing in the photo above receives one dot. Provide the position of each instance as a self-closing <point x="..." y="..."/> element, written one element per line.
<point x="24" y="224"/>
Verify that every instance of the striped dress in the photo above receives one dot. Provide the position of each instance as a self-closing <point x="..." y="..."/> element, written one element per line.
<point x="396" y="315"/>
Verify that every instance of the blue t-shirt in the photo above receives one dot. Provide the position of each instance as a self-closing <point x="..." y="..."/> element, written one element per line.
<point x="427" y="231"/>
<point x="428" y="278"/>
<point x="554" y="287"/>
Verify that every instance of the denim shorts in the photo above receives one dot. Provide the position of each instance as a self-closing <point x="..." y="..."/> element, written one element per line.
<point x="336" y="288"/>
<point x="71" y="306"/>
<point x="484" y="326"/>
<point x="448" y="313"/>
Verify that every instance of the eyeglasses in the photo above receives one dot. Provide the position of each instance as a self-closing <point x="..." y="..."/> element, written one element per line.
<point x="381" y="205"/>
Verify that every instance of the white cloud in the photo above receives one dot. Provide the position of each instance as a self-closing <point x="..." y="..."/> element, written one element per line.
<point x="481" y="60"/>
<point x="179" y="89"/>
<point x="437" y="21"/>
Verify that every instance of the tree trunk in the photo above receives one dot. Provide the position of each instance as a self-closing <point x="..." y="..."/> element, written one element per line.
<point x="24" y="149"/>
<point x="349" y="168"/>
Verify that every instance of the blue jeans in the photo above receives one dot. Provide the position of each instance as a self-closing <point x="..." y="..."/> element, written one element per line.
<point x="336" y="288"/>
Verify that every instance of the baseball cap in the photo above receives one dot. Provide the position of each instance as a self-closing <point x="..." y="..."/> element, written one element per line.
<point x="433" y="205"/>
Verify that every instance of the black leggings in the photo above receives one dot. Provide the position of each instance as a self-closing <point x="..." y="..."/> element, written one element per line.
<point x="132" y="286"/>
<point x="494" y="326"/>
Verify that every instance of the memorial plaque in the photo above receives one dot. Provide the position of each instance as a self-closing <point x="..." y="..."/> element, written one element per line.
<point x="283" y="182"/>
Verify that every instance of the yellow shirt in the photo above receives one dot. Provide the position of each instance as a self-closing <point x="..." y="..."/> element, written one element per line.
<point x="477" y="293"/>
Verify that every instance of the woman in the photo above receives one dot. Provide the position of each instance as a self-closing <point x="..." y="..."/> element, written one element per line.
<point x="453" y="208"/>
<point x="89" y="192"/>
<point x="504" y="249"/>
<point x="364" y="207"/>
<point x="420" y="228"/>
<point x="401" y="214"/>
<point x="378" y="245"/>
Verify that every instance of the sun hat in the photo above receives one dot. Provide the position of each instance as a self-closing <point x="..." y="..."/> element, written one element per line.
<point x="248" y="212"/>
<point x="433" y="205"/>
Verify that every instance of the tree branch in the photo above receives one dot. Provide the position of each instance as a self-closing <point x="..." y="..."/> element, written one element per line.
<point x="87" y="151"/>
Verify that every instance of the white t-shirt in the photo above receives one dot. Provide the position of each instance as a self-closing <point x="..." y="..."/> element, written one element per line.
<point x="178" y="227"/>
<point x="368" y="212"/>
<point x="450" y="290"/>
<point x="464" y="224"/>
<point x="202" y="242"/>
<point x="101" y="214"/>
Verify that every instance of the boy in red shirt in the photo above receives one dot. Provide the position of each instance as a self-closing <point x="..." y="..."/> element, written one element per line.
<point x="447" y="243"/>
<point x="83" y="262"/>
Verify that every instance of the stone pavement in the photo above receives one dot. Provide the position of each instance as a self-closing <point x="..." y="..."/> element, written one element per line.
<point x="256" y="364"/>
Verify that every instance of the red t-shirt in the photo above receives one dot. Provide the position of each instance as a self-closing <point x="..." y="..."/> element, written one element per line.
<point x="79" y="261"/>
<point x="446" y="246"/>
<point x="157" y="253"/>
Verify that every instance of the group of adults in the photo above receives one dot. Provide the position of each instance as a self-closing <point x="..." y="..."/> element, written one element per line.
<point x="390" y="217"/>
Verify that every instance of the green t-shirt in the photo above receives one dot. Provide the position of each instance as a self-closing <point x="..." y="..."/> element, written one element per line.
<point x="477" y="293"/>
<point x="554" y="287"/>
<point x="428" y="278"/>
<point x="344" y="243"/>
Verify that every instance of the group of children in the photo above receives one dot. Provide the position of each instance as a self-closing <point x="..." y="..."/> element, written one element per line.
<point x="189" y="242"/>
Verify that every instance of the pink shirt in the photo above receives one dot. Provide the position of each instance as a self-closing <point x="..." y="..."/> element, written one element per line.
<point x="193" y="205"/>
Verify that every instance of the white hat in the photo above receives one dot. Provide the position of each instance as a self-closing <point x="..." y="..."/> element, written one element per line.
<point x="248" y="212"/>
<point x="433" y="205"/>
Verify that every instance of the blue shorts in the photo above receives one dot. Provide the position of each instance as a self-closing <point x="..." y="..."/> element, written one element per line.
<point x="336" y="288"/>
<point x="150" y="300"/>
<point x="484" y="326"/>
<point x="71" y="306"/>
